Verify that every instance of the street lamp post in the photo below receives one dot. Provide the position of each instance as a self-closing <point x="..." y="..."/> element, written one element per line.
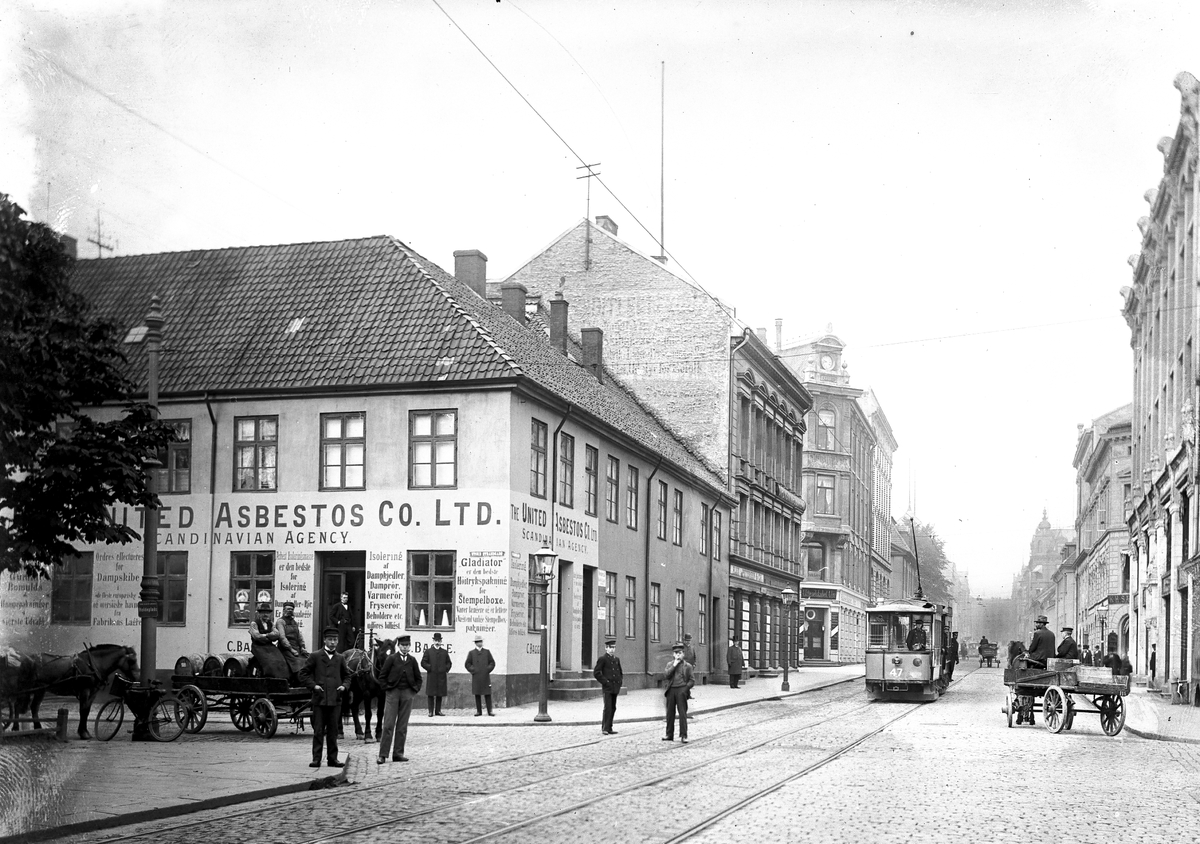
<point x="789" y="595"/>
<point x="544" y="559"/>
<point x="1102" y="617"/>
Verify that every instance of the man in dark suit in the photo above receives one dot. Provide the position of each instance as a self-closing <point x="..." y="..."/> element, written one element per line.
<point x="679" y="681"/>
<point x="1067" y="649"/>
<point x="326" y="674"/>
<point x="951" y="656"/>
<point x="436" y="663"/>
<point x="917" y="640"/>
<point x="341" y="618"/>
<point x="608" y="673"/>
<point x="480" y="665"/>
<point x="401" y="680"/>
<point x="735" y="662"/>
<point x="1041" y="646"/>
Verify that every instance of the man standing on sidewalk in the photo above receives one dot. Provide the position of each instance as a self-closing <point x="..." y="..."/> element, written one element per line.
<point x="326" y="674"/>
<point x="436" y="663"/>
<point x="951" y="656"/>
<point x="679" y="682"/>
<point x="608" y="674"/>
<point x="401" y="680"/>
<point x="735" y="662"/>
<point x="1153" y="664"/>
<point x="480" y="665"/>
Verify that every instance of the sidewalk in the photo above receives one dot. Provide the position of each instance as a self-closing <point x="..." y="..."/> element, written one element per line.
<point x="57" y="789"/>
<point x="1153" y="716"/>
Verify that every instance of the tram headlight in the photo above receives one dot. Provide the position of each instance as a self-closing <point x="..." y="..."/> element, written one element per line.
<point x="897" y="660"/>
<point x="916" y="660"/>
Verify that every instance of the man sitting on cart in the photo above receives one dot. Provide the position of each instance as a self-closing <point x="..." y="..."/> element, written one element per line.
<point x="1041" y="646"/>
<point x="291" y="642"/>
<point x="1067" y="649"/>
<point x="264" y="640"/>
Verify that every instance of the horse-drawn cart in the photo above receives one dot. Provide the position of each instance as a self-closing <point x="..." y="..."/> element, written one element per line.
<point x="988" y="653"/>
<point x="254" y="703"/>
<point x="1063" y="689"/>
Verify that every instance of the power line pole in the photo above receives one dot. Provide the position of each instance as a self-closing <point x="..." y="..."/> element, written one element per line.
<point x="587" y="241"/>
<point x="99" y="240"/>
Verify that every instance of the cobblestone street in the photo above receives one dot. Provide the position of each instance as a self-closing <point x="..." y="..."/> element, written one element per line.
<point x="923" y="770"/>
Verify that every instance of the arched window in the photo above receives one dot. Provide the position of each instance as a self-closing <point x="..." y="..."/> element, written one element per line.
<point x="826" y="424"/>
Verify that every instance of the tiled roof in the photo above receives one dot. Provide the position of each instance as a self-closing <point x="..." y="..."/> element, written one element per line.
<point x="349" y="314"/>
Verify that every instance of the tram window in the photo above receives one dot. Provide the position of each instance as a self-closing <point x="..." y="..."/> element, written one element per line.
<point x="879" y="632"/>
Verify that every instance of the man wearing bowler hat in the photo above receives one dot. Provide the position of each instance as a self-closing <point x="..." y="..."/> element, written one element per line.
<point x="1067" y="649"/>
<point x="436" y="662"/>
<point x="479" y="664"/>
<point x="678" y="677"/>
<point x="401" y="680"/>
<point x="1041" y="645"/>
<point x="326" y="674"/>
<point x="291" y="641"/>
<point x="608" y="673"/>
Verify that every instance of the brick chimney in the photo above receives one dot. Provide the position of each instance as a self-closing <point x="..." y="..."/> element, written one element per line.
<point x="512" y="299"/>
<point x="762" y="334"/>
<point x="558" y="322"/>
<point x="470" y="267"/>
<point x="593" y="351"/>
<point x="606" y="222"/>
<point x="778" y="335"/>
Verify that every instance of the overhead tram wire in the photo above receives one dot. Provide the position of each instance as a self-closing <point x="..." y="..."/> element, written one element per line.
<point x="728" y="310"/>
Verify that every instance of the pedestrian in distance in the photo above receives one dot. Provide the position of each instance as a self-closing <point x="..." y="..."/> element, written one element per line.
<point x="679" y="683"/>
<point x="1067" y="649"/>
<point x="341" y="618"/>
<point x="689" y="653"/>
<point x="1086" y="656"/>
<point x="1097" y="657"/>
<point x="1112" y="660"/>
<point x="608" y="673"/>
<point x="1153" y="664"/>
<point x="951" y="656"/>
<point x="291" y="642"/>
<point x="326" y="675"/>
<point x="400" y="679"/>
<point x="436" y="662"/>
<point x="735" y="662"/>
<point x="480" y="665"/>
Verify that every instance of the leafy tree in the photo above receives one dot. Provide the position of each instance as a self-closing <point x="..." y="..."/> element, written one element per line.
<point x="932" y="558"/>
<point x="55" y="359"/>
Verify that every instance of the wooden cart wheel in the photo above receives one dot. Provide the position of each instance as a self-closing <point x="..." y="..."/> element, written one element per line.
<point x="195" y="714"/>
<point x="1054" y="709"/>
<point x="166" y="718"/>
<point x="1010" y="703"/>
<point x="1112" y="713"/>
<point x="108" y="719"/>
<point x="266" y="720"/>
<point x="239" y="713"/>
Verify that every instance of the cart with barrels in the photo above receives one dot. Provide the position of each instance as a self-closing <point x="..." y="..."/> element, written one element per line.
<point x="1063" y="689"/>
<point x="255" y="703"/>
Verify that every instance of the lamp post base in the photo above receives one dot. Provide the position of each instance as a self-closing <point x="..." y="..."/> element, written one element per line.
<point x="542" y="718"/>
<point x="786" y="687"/>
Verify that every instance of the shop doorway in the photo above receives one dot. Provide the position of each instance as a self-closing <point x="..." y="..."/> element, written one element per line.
<point x="341" y="571"/>
<point x="589" y="615"/>
<point x="813" y="634"/>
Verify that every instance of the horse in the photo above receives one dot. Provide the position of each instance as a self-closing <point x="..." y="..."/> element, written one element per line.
<point x="18" y="676"/>
<point x="1015" y="651"/>
<point x="81" y="675"/>
<point x="364" y="687"/>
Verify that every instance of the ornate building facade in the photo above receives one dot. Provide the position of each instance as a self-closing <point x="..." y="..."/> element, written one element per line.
<point x="1161" y="311"/>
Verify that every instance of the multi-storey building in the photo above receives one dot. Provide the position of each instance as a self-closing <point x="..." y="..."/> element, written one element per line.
<point x="881" y="497"/>
<point x="839" y="469"/>
<point x="686" y="356"/>
<point x="1161" y="310"/>
<point x="1033" y="589"/>
<point x="1099" y="601"/>
<point x="353" y="418"/>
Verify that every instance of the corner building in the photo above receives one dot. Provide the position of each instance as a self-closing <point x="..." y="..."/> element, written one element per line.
<point x="353" y="418"/>
<point x="718" y="384"/>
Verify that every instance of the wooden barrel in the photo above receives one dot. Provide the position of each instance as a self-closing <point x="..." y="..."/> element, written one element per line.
<point x="213" y="666"/>
<point x="237" y="665"/>
<point x="189" y="665"/>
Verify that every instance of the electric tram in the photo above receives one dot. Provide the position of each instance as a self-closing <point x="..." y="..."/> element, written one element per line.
<point x="907" y="640"/>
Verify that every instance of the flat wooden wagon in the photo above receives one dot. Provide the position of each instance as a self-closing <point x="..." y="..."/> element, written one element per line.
<point x="1063" y="689"/>
<point x="254" y="703"/>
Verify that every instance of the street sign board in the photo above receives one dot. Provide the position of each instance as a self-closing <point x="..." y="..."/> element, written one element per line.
<point x="147" y="609"/>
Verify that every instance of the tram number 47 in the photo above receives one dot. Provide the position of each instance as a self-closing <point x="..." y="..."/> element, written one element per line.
<point x="898" y="671"/>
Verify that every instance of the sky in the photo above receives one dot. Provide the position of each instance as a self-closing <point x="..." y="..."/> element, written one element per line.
<point x="954" y="187"/>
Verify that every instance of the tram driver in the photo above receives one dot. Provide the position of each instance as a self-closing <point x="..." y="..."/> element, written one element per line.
<point x="918" y="639"/>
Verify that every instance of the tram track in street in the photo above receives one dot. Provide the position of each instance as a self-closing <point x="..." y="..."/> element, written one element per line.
<point x="294" y="804"/>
